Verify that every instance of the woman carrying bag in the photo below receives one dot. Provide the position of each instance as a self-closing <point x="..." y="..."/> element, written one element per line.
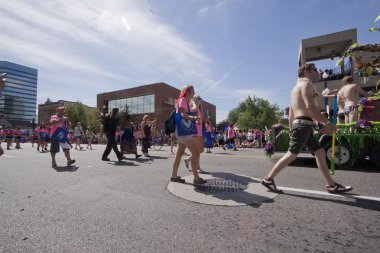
<point x="185" y="130"/>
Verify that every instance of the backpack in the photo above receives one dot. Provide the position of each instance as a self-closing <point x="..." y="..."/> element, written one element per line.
<point x="170" y="123"/>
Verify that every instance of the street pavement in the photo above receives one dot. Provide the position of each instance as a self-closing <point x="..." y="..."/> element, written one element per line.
<point x="98" y="206"/>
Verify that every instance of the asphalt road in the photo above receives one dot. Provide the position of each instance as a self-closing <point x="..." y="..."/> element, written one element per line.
<point x="99" y="206"/>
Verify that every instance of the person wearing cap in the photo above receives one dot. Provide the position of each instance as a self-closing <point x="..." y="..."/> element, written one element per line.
<point x="109" y="127"/>
<point x="58" y="120"/>
<point x="146" y="127"/>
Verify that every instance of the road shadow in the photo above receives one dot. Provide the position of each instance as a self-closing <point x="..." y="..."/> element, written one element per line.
<point x="227" y="175"/>
<point x="351" y="201"/>
<point x="69" y="168"/>
<point x="152" y="157"/>
<point x="139" y="160"/>
<point x="304" y="162"/>
<point x="124" y="163"/>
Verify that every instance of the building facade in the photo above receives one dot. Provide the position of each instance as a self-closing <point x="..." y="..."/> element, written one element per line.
<point x="49" y="108"/>
<point x="19" y="98"/>
<point x="155" y="100"/>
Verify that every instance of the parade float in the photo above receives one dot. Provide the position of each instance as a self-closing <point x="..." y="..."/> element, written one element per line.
<point x="359" y="140"/>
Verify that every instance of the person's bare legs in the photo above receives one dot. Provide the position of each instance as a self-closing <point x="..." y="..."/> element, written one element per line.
<point x="353" y="116"/>
<point x="320" y="155"/>
<point x="53" y="157"/>
<point x="180" y="150"/>
<point x="282" y="163"/>
<point x="67" y="154"/>
<point x="192" y="145"/>
<point x="200" y="143"/>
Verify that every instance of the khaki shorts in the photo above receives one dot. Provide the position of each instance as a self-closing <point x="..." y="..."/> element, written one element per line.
<point x="302" y="135"/>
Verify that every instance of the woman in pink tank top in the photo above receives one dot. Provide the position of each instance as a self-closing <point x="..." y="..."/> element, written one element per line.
<point x="196" y="106"/>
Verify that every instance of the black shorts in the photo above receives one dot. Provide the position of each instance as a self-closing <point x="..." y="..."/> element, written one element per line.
<point x="231" y="140"/>
<point x="54" y="146"/>
<point x="302" y="135"/>
<point x="341" y="115"/>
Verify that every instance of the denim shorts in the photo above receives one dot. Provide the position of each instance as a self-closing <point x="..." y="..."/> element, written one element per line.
<point x="302" y="135"/>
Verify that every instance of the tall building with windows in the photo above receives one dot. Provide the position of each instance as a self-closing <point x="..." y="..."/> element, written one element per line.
<point x="155" y="100"/>
<point x="19" y="98"/>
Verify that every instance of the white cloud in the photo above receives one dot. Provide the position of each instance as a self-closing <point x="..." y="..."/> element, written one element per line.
<point x="221" y="13"/>
<point x="91" y="46"/>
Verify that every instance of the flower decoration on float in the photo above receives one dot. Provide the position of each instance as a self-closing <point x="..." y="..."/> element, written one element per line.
<point x="363" y="126"/>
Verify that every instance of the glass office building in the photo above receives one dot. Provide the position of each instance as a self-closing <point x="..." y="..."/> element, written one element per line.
<point x="18" y="100"/>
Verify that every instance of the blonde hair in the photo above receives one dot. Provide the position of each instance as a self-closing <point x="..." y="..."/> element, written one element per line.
<point x="347" y="80"/>
<point x="185" y="89"/>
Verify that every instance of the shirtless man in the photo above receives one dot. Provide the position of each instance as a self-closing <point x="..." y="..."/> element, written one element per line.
<point x="302" y="111"/>
<point x="348" y="95"/>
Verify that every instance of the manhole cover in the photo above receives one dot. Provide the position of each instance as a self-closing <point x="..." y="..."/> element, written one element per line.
<point x="220" y="185"/>
<point x="223" y="189"/>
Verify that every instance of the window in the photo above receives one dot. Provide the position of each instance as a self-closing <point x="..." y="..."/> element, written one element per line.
<point x="136" y="105"/>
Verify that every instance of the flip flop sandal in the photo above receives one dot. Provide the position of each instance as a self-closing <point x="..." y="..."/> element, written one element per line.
<point x="270" y="185"/>
<point x="177" y="180"/>
<point x="338" y="188"/>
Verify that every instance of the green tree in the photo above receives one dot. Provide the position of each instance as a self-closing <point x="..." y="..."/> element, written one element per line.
<point x="76" y="112"/>
<point x="254" y="112"/>
<point x="93" y="120"/>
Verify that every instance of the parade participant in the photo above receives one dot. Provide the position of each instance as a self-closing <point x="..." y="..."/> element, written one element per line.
<point x="9" y="136"/>
<point x="78" y="133"/>
<point x="302" y="110"/>
<point x="34" y="137"/>
<point x="208" y="142"/>
<point x="220" y="138"/>
<point x="172" y="139"/>
<point x="42" y="137"/>
<point x="128" y="142"/>
<point x="109" y="127"/>
<point x="60" y="122"/>
<point x="186" y="141"/>
<point x="231" y="136"/>
<point x="17" y="134"/>
<point x="196" y="107"/>
<point x="146" y="128"/>
<point x="89" y="136"/>
<point x="48" y="131"/>
<point x="349" y="96"/>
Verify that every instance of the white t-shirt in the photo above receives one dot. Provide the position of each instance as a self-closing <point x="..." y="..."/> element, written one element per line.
<point x="78" y="131"/>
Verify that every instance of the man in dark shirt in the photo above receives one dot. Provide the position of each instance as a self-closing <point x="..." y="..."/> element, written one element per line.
<point x="109" y="127"/>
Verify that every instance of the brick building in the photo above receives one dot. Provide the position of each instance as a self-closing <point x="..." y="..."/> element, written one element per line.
<point x="47" y="109"/>
<point x="155" y="100"/>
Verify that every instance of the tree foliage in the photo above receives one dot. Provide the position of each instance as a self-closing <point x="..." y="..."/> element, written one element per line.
<point x="254" y="112"/>
<point x="89" y="118"/>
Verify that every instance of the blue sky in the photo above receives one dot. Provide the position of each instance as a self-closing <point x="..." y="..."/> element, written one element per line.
<point x="228" y="49"/>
